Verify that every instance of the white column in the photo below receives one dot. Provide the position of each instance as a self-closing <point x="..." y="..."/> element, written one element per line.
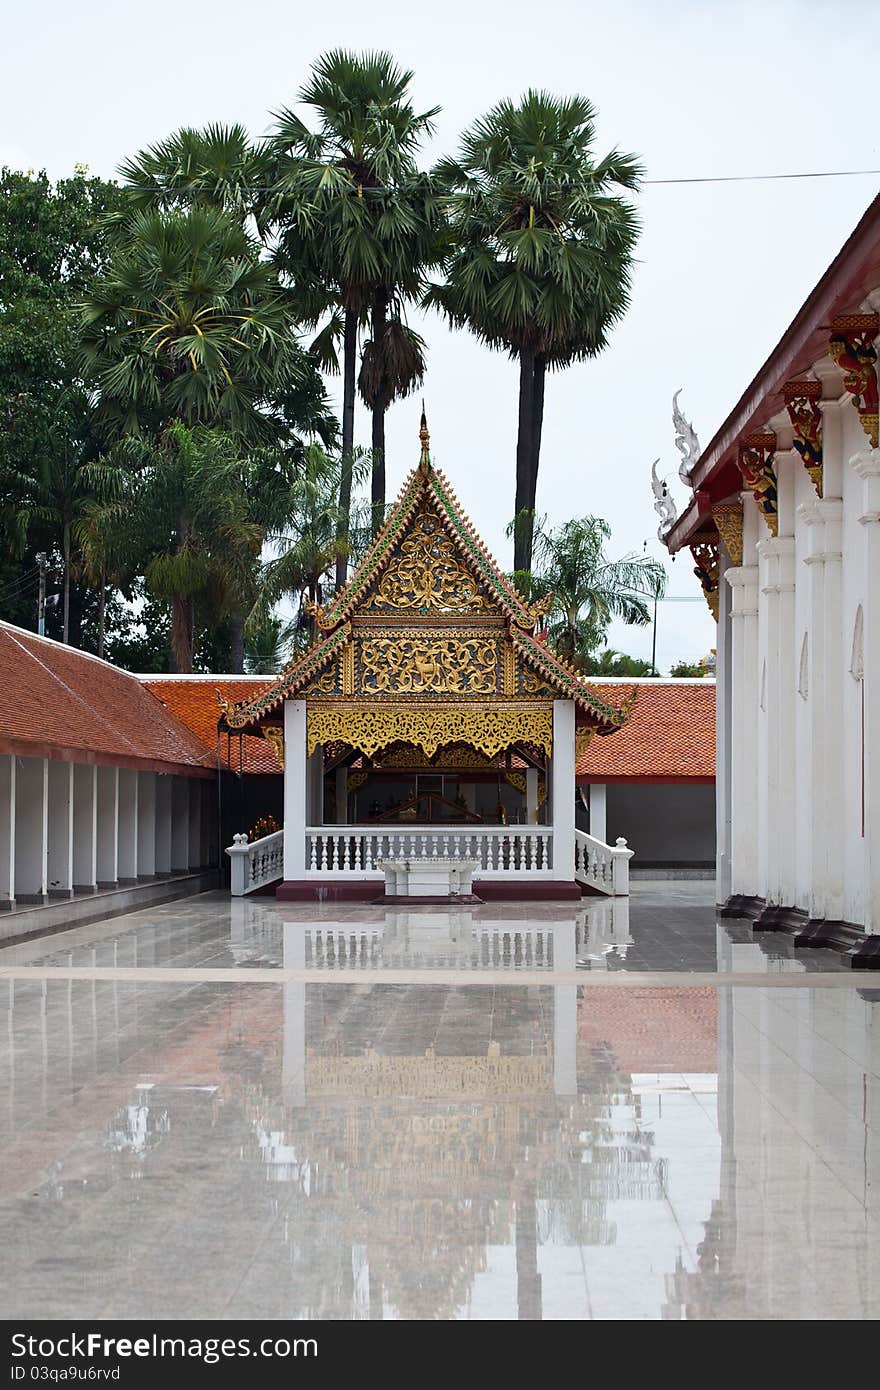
<point x="163" y="823"/>
<point x="146" y="825"/>
<point x="31" y="828"/>
<point x="180" y="825"/>
<point x="128" y="825"/>
<point x="776" y="803"/>
<point x="315" y="779"/>
<point x="598" y="804"/>
<point x="108" y="827"/>
<point x="194" y="853"/>
<point x="85" y="827"/>
<point x="7" y="830"/>
<point x="563" y="771"/>
<point x="532" y="795"/>
<point x="342" y="795"/>
<point x="867" y="467"/>
<point x="723" y="695"/>
<point x="294" y="789"/>
<point x="59" y="862"/>
<point x="743" y="582"/>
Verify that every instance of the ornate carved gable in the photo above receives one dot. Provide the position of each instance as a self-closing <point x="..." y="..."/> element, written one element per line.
<point x="427" y="576"/>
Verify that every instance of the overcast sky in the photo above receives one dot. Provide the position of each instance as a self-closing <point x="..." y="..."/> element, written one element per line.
<point x="696" y="89"/>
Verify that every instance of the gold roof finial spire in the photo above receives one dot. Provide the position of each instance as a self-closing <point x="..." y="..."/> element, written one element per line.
<point x="425" y="439"/>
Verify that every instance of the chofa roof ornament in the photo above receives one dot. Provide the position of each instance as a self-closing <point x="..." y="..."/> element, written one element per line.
<point x="664" y="504"/>
<point x="686" y="441"/>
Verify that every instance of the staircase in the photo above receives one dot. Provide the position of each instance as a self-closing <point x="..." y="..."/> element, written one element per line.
<point x="602" y="868"/>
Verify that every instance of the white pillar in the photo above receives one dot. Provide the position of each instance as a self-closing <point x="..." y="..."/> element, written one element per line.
<point x="532" y="795"/>
<point x="146" y="825"/>
<point x="31" y="829"/>
<point x="776" y="805"/>
<point x="294" y="789"/>
<point x="7" y="830"/>
<point x="342" y="795"/>
<point x="108" y="827"/>
<point x="85" y="827"/>
<point x="59" y="850"/>
<point x="867" y="467"/>
<point x="563" y="771"/>
<point x="743" y="582"/>
<point x="180" y="825"/>
<point x="315" y="794"/>
<point x="194" y="853"/>
<point x="598" y="819"/>
<point x="163" y="823"/>
<point x="128" y="825"/>
<point x="723" y="695"/>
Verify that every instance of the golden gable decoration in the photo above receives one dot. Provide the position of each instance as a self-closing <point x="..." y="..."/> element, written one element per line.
<point x="428" y="576"/>
<point x="409" y="664"/>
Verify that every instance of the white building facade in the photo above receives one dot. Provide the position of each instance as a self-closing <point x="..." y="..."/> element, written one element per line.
<point x="784" y="525"/>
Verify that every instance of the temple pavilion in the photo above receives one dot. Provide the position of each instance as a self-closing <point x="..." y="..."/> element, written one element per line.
<point x="429" y="736"/>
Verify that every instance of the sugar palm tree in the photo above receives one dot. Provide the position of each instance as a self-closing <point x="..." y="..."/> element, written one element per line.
<point x="189" y="323"/>
<point x="218" y="167"/>
<point x="541" y="253"/>
<point x="589" y="589"/>
<point x="352" y="218"/>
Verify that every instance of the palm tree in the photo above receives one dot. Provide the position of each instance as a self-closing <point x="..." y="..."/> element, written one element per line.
<point x="612" y="663"/>
<point x="541" y="253"/>
<point x="189" y="324"/>
<point x="392" y="367"/>
<point x="307" y="535"/>
<point x="267" y="644"/>
<point x="353" y="221"/>
<point x="589" y="589"/>
<point x="180" y="512"/>
<point x="218" y="167"/>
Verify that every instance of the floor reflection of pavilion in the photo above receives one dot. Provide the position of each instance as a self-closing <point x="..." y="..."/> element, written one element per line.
<point x="403" y="1159"/>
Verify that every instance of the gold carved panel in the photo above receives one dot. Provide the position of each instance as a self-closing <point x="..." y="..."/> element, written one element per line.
<point x="409" y="664"/>
<point x="490" y="729"/>
<point x="428" y="576"/>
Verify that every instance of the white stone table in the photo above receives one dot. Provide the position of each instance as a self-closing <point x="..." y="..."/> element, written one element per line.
<point x="428" y="878"/>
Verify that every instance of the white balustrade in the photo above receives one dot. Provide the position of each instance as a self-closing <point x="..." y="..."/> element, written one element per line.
<point x="256" y="864"/>
<point x="359" y="851"/>
<point x="602" y="867"/>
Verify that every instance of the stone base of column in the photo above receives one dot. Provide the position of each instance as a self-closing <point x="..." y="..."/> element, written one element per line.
<point x="742" y="905"/>
<point x="55" y="893"/>
<point x="862" y="951"/>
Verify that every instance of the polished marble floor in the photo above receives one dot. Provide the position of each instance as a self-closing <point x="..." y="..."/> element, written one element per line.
<point x="626" y="1111"/>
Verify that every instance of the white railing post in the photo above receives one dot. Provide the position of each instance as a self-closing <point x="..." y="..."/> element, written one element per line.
<point x="620" y="857"/>
<point x="239" y="865"/>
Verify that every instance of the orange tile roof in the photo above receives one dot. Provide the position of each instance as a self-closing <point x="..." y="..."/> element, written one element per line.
<point x="670" y="733"/>
<point x="193" y="700"/>
<point x="59" y="702"/>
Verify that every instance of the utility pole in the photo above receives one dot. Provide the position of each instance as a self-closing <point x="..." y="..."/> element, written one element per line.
<point x="41" y="596"/>
<point x="654" y="642"/>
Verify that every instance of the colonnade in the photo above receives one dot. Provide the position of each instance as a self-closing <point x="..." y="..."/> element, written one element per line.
<point x="69" y="828"/>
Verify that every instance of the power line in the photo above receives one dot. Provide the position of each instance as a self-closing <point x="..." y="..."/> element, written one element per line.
<point x="172" y="192"/>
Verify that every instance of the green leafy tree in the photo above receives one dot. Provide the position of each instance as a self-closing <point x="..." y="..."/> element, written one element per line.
<point x="541" y="253"/>
<point x="180" y="509"/>
<point x="355" y="224"/>
<point x="684" y="669"/>
<point x="52" y="243"/>
<point x="612" y="663"/>
<point x="588" y="588"/>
